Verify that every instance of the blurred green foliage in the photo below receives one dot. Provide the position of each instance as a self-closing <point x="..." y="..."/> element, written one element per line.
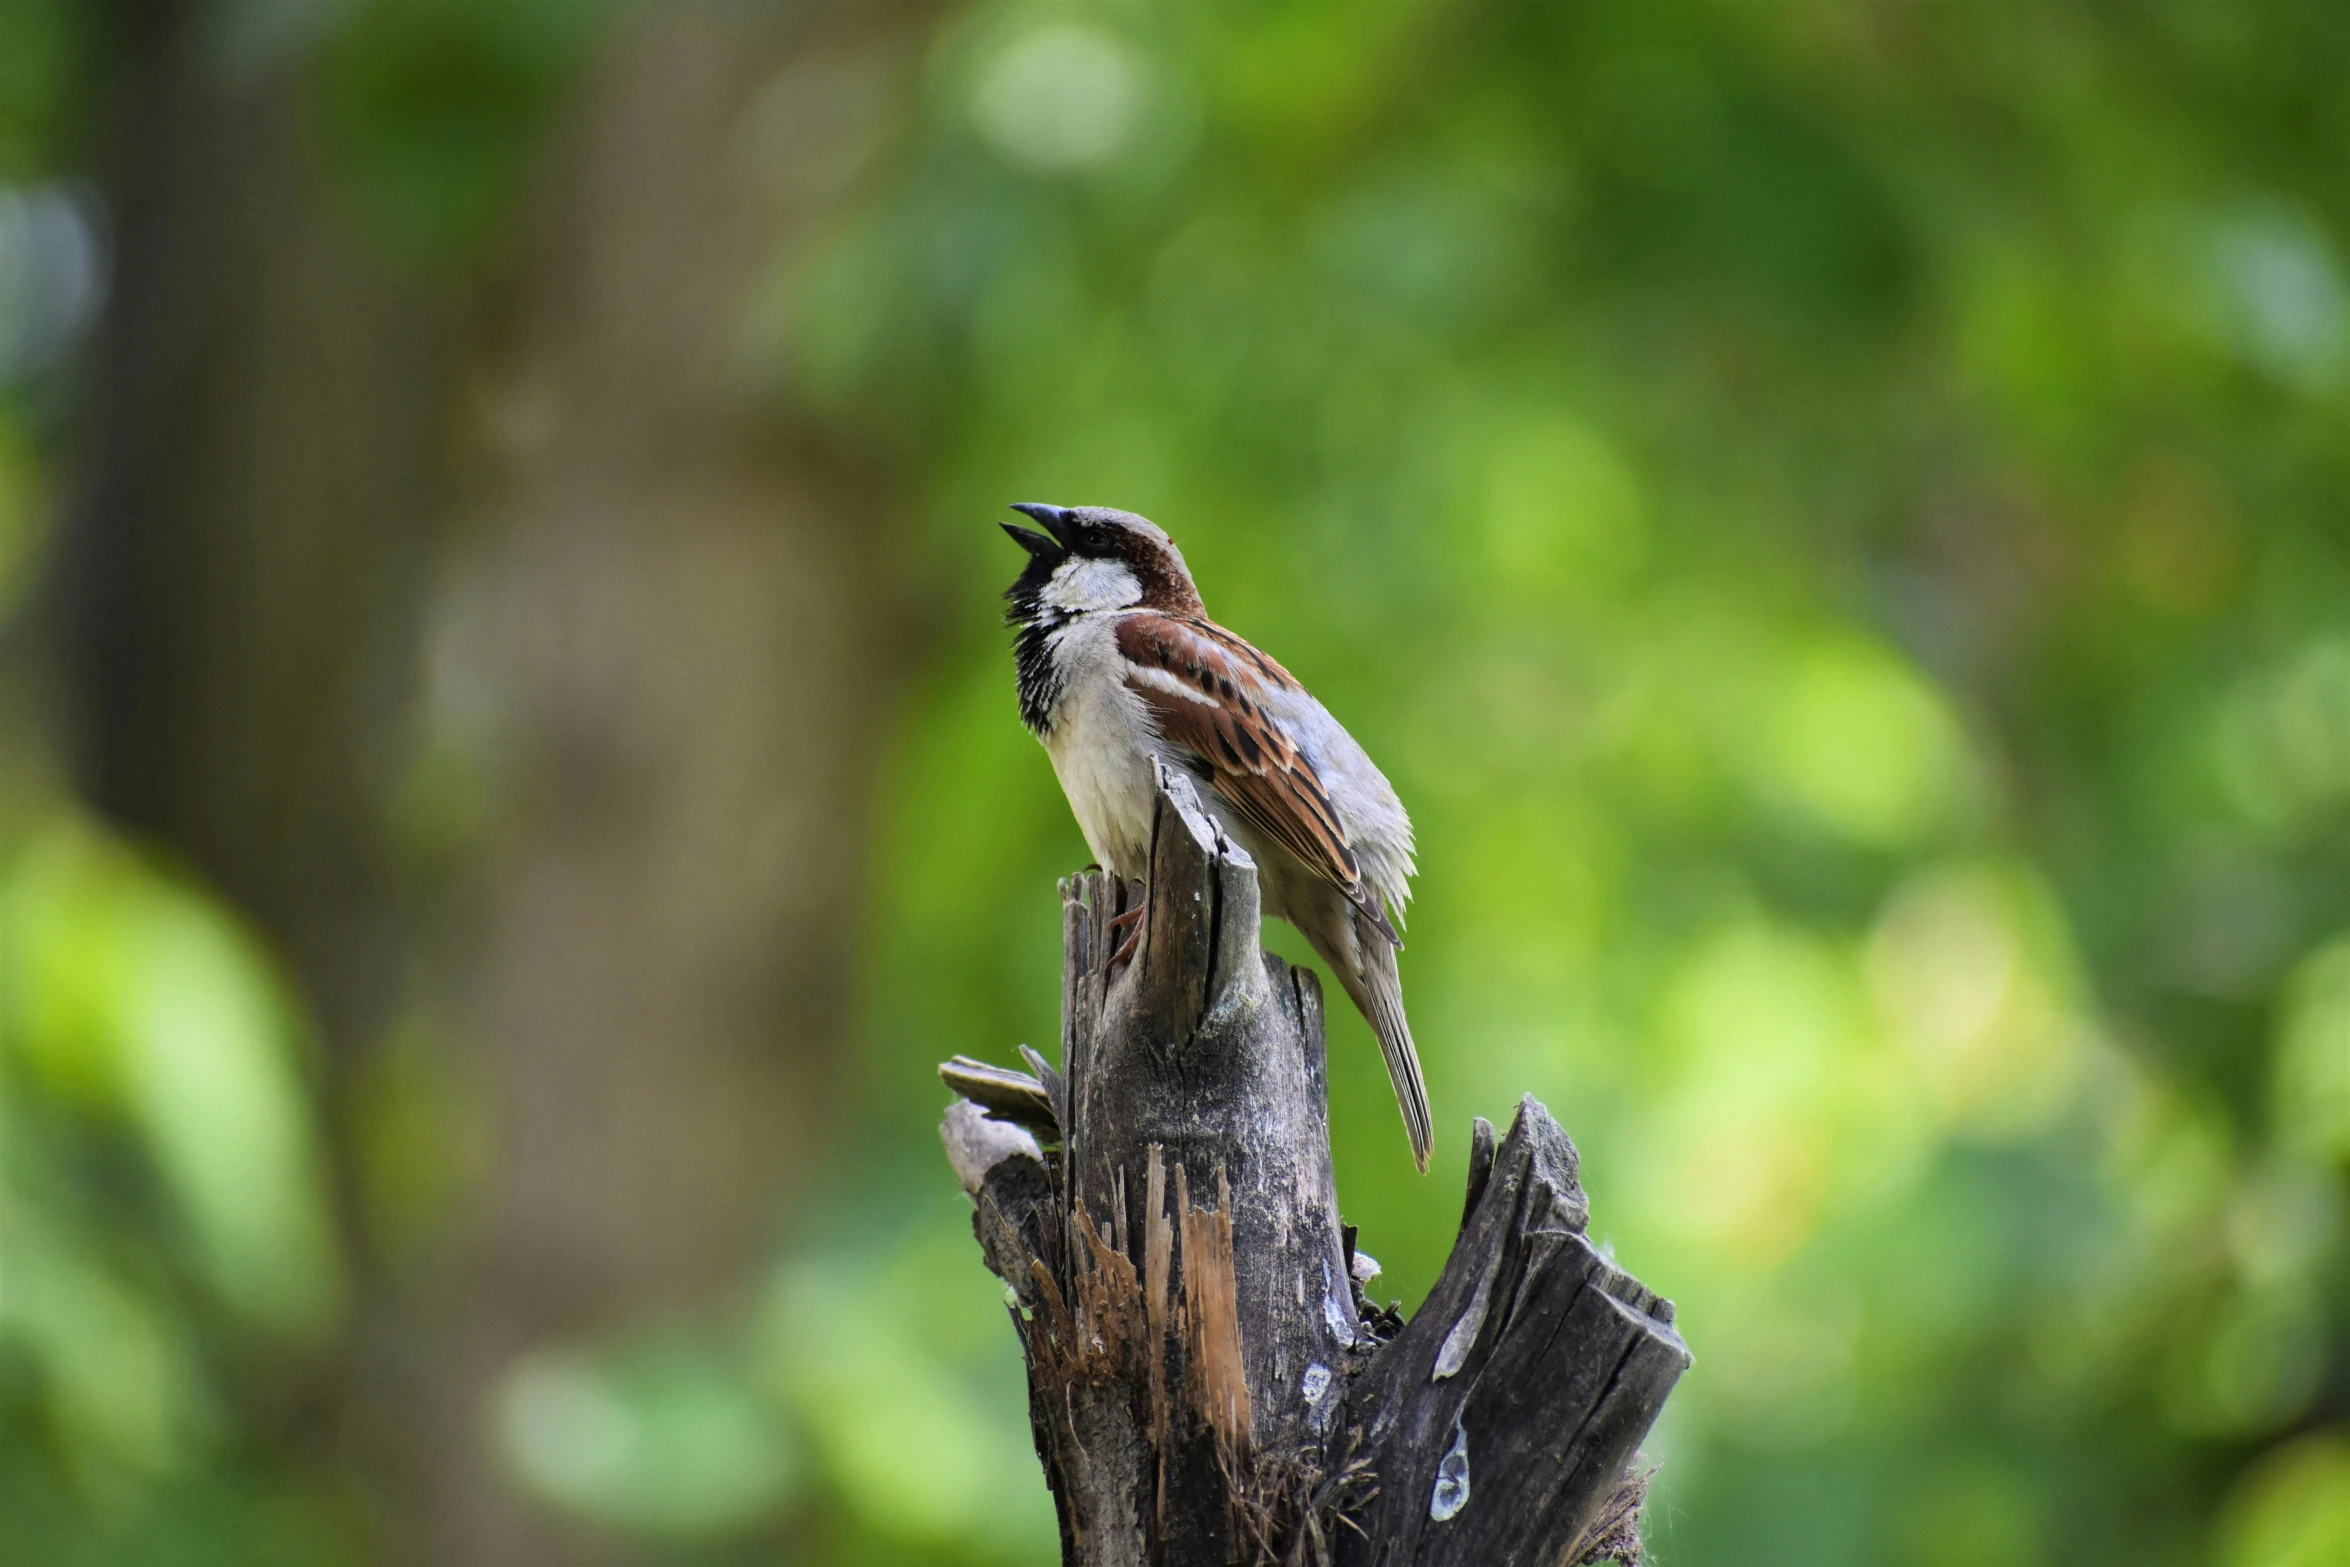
<point x="166" y="1216"/>
<point x="1830" y="514"/>
<point x="1831" y="517"/>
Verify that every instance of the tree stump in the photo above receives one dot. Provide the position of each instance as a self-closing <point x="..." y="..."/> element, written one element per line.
<point x="1208" y="1384"/>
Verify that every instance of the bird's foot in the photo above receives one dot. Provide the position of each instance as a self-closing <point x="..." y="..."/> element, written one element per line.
<point x="1128" y="928"/>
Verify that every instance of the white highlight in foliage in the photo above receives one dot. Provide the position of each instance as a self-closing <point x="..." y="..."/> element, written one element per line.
<point x="2282" y="290"/>
<point x="1059" y="99"/>
<point x="564" y="1427"/>
<point x="53" y="273"/>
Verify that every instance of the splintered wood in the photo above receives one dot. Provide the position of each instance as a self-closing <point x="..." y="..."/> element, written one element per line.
<point x="1211" y="1313"/>
<point x="1158" y="1259"/>
<point x="1119" y="1322"/>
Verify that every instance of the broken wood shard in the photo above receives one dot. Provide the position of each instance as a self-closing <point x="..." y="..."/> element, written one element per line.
<point x="1207" y="1384"/>
<point x="1018" y="1097"/>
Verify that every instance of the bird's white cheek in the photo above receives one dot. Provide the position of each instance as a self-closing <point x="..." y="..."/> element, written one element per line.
<point x="1083" y="585"/>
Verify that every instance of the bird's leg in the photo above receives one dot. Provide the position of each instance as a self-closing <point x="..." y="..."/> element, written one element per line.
<point x="1128" y="926"/>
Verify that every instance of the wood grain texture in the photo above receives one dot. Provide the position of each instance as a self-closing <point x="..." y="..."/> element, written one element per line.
<point x="1207" y="1384"/>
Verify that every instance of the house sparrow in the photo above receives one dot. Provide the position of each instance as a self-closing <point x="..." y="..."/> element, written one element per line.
<point x="1118" y="663"/>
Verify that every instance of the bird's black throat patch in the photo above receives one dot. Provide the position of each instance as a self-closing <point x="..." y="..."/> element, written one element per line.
<point x="1033" y="622"/>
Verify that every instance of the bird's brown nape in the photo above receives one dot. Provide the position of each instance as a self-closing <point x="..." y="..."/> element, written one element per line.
<point x="1166" y="586"/>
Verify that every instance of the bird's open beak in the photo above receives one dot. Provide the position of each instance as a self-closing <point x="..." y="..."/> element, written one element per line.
<point x="1032" y="541"/>
<point x="1055" y="519"/>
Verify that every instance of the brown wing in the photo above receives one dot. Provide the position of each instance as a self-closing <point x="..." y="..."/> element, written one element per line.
<point x="1204" y="688"/>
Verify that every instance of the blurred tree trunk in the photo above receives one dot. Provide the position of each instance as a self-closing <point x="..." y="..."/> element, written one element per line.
<point x="677" y="604"/>
<point x="656" y="632"/>
<point x="259" y="474"/>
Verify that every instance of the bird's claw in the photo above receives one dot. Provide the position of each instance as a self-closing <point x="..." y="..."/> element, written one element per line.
<point x="1128" y="927"/>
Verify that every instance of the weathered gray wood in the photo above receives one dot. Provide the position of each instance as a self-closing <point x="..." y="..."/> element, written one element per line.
<point x="1207" y="1384"/>
<point x="1503" y="1416"/>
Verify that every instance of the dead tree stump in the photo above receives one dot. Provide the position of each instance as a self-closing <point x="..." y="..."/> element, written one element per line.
<point x="1207" y="1383"/>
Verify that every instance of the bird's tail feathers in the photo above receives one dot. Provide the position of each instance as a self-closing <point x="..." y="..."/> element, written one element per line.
<point x="1379" y="993"/>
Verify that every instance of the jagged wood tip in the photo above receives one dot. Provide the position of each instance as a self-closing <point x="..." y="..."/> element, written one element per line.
<point x="1005" y="1094"/>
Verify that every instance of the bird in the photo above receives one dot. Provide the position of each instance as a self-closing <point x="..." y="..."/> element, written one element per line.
<point x="1118" y="666"/>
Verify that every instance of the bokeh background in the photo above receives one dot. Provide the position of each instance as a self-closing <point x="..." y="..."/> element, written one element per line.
<point x="1835" y="517"/>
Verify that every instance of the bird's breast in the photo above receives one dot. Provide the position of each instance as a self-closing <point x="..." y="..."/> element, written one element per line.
<point x="1101" y="747"/>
